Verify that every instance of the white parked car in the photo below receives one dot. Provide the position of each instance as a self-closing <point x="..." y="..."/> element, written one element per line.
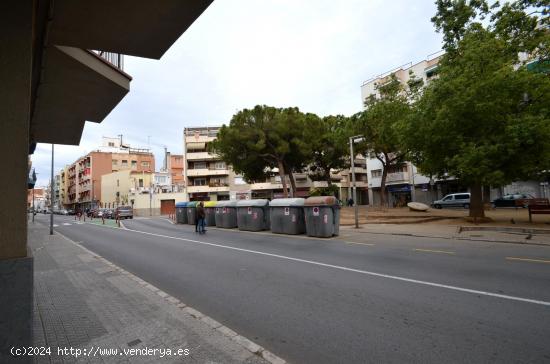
<point x="454" y="200"/>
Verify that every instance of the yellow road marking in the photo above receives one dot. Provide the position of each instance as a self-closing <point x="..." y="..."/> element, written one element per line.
<point x="433" y="251"/>
<point x="353" y="242"/>
<point x="529" y="260"/>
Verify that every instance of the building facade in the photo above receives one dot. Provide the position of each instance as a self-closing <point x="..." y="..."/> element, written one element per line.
<point x="117" y="188"/>
<point x="403" y="182"/>
<point x="207" y="177"/>
<point x="83" y="177"/>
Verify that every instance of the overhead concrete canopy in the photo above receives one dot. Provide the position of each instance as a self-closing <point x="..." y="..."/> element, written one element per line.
<point x="76" y="85"/>
<point x="143" y="28"/>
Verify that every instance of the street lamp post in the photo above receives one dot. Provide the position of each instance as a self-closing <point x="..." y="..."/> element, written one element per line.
<point x="354" y="139"/>
<point x="51" y="197"/>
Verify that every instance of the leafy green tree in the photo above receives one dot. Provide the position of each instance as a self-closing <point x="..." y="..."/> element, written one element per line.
<point x="263" y="138"/>
<point x="486" y="119"/>
<point x="380" y="123"/>
<point x="328" y="145"/>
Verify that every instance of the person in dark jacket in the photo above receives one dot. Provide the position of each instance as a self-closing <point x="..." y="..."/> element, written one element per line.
<point x="200" y="218"/>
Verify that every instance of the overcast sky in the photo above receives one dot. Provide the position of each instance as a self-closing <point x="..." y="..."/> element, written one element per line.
<point x="313" y="54"/>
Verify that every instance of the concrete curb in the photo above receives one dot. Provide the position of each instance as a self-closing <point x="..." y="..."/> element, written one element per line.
<point x="454" y="237"/>
<point x="505" y="229"/>
<point x="213" y="324"/>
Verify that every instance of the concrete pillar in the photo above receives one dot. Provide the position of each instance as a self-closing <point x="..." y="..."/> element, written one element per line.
<point x="16" y="269"/>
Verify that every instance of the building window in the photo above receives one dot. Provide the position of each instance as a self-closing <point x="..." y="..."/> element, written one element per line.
<point x="117" y="183"/>
<point x="124" y="163"/>
<point x="199" y="165"/>
<point x="219" y="165"/>
<point x="115" y="163"/>
<point x="145" y="164"/>
<point x="134" y="164"/>
<point x="376" y="173"/>
<point x="111" y="144"/>
<point x="199" y="182"/>
<point x="140" y="182"/>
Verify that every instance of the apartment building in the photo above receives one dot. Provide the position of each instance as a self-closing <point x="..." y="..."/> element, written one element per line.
<point x="84" y="176"/>
<point x="175" y="167"/>
<point x="403" y="182"/>
<point x="117" y="188"/>
<point x="207" y="177"/>
<point x="38" y="196"/>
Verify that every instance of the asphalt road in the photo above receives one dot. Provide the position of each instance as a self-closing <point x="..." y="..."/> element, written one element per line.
<point x="377" y="299"/>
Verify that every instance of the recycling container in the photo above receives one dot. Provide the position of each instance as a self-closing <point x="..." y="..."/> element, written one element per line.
<point x="287" y="216"/>
<point x="210" y="213"/>
<point x="226" y="214"/>
<point x="181" y="213"/>
<point x="192" y="212"/>
<point x="322" y="215"/>
<point x="253" y="215"/>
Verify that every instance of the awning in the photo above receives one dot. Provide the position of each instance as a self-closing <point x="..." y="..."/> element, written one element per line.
<point x="196" y="146"/>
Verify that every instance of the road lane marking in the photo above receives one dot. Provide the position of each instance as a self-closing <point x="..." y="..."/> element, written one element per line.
<point x="55" y="225"/>
<point x="66" y="224"/>
<point x="374" y="274"/>
<point x="529" y="260"/>
<point x="433" y="251"/>
<point x="354" y="242"/>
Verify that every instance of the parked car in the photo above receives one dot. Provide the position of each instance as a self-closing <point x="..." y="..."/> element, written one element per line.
<point x="454" y="200"/>
<point x="71" y="212"/>
<point x="513" y="200"/>
<point x="108" y="214"/>
<point x="124" y="212"/>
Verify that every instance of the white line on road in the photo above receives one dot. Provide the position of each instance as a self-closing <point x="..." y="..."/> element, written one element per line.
<point x="66" y="224"/>
<point x="397" y="278"/>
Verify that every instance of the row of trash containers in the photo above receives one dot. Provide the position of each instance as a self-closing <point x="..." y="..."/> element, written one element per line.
<point x="315" y="216"/>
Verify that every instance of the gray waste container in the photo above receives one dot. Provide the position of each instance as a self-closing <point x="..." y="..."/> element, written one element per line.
<point x="226" y="214"/>
<point x="253" y="215"/>
<point x="287" y="216"/>
<point x="210" y="213"/>
<point x="322" y="216"/>
<point x="181" y="213"/>
<point x="192" y="212"/>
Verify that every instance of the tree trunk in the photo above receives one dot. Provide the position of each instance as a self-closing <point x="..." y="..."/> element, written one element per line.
<point x="283" y="178"/>
<point x="476" y="201"/>
<point x="383" y="195"/>
<point x="327" y="177"/>
<point x="292" y="183"/>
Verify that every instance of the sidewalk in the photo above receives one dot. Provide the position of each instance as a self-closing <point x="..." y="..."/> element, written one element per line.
<point x="458" y="232"/>
<point x="86" y="303"/>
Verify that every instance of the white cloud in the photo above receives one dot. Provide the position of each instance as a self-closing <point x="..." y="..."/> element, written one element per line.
<point x="239" y="53"/>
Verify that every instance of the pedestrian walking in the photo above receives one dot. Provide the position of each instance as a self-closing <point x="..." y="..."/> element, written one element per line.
<point x="201" y="215"/>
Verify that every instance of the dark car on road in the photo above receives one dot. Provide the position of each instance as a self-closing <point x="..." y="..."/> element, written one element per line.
<point x="513" y="200"/>
<point x="124" y="212"/>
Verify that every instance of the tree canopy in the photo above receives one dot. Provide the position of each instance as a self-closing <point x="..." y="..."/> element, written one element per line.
<point x="486" y="118"/>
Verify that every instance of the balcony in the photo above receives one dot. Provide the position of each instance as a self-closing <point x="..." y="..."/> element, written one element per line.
<point x="199" y="156"/>
<point x="77" y="86"/>
<point x="266" y="186"/>
<point x="197" y="189"/>
<point x="207" y="172"/>
<point x="397" y="177"/>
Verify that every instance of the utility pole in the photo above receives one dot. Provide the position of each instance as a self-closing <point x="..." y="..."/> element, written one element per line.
<point x="51" y="197"/>
<point x="354" y="139"/>
<point x="33" y="204"/>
